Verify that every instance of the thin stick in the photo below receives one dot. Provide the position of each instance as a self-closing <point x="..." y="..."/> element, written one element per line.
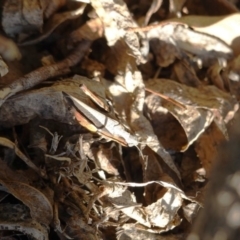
<point x="41" y="74"/>
<point x="166" y="98"/>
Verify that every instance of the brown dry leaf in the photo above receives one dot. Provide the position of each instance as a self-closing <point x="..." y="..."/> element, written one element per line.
<point x="17" y="216"/>
<point x="52" y="23"/>
<point x="186" y="74"/>
<point x="39" y="205"/>
<point x="202" y="106"/>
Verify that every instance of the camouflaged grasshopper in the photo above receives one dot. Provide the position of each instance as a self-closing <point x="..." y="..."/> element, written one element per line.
<point x="102" y="124"/>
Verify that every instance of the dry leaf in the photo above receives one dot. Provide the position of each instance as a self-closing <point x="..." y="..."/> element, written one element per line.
<point x="179" y="39"/>
<point x="17" y="216"/>
<point x="222" y="27"/>
<point x="163" y="213"/>
<point x="202" y="106"/>
<point x="39" y="205"/>
<point x="52" y="23"/>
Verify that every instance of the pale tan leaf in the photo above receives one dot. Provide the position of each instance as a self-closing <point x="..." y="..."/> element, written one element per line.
<point x="164" y="212"/>
<point x="180" y="38"/>
<point x="116" y="18"/>
<point x="223" y="27"/>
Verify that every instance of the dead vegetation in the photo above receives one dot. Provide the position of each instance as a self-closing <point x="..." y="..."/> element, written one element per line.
<point x="111" y="114"/>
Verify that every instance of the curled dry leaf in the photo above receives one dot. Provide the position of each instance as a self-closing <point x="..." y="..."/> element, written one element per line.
<point x="199" y="111"/>
<point x="190" y="211"/>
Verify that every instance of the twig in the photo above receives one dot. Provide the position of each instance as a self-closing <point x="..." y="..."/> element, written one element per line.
<point x="41" y="74"/>
<point x="166" y="98"/>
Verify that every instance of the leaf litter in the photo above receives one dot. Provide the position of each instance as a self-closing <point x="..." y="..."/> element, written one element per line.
<point x="111" y="115"/>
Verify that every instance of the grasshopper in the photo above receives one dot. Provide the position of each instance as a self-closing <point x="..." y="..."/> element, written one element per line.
<point x="102" y="124"/>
